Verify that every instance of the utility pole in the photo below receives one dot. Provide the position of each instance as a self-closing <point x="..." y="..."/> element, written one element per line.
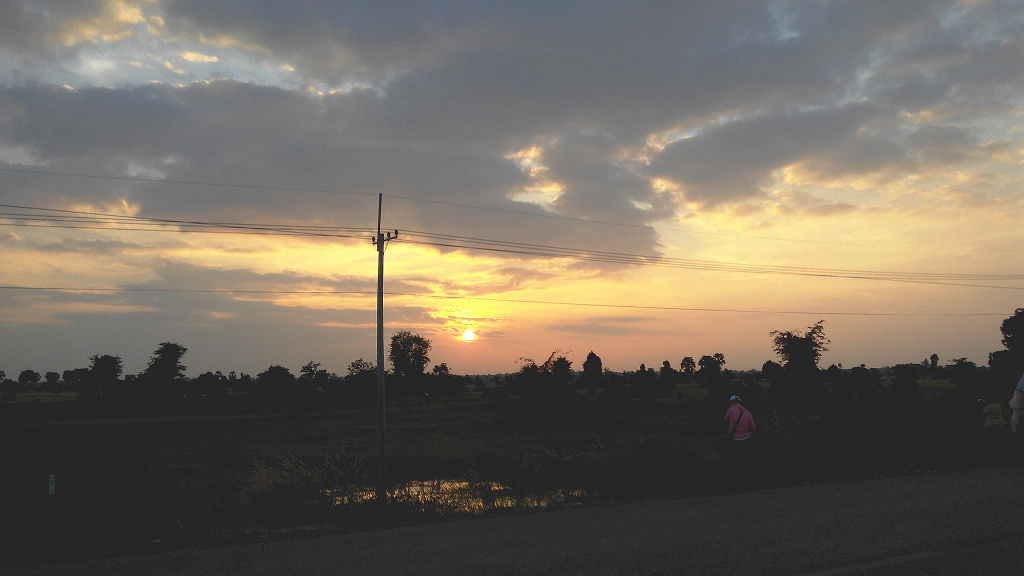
<point x="382" y="434"/>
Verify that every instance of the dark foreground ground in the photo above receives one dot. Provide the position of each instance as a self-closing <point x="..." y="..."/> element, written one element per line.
<point x="939" y="523"/>
<point x="137" y="485"/>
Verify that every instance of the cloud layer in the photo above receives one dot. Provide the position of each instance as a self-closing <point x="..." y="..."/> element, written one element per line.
<point x="525" y="122"/>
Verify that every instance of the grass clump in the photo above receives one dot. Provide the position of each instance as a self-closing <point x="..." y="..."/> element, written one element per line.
<point x="289" y="488"/>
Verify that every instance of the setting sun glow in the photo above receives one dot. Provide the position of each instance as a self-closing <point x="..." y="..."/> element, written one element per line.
<point x="876" y="185"/>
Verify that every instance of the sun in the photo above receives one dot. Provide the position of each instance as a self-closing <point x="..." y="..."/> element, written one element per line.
<point x="468" y="336"/>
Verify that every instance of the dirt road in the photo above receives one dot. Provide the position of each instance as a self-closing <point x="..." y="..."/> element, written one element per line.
<point x="963" y="523"/>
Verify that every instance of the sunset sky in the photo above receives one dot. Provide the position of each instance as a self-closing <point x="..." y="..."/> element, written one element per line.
<point x="645" y="180"/>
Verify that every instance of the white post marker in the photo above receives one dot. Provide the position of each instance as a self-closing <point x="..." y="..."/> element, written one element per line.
<point x="53" y="483"/>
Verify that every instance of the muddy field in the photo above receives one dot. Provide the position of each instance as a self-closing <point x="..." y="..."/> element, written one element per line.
<point x="127" y="485"/>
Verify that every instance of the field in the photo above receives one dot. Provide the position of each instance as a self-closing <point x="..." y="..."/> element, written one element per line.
<point x="125" y="485"/>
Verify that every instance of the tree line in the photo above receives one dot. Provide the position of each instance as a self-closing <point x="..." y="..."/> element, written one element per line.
<point x="795" y="383"/>
<point x="163" y="381"/>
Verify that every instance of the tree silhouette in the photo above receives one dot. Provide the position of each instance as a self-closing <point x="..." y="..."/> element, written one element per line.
<point x="646" y="385"/>
<point x="593" y="370"/>
<point x="99" y="379"/>
<point x="1007" y="365"/>
<point x="802" y="385"/>
<point x="312" y="377"/>
<point x="1013" y="331"/>
<point x="667" y="373"/>
<point x="163" y="379"/>
<point x="359" y="366"/>
<point x="165" y="364"/>
<point x="970" y="384"/>
<point x="771" y="370"/>
<point x="842" y="385"/>
<point x="559" y="367"/>
<point x="29" y="378"/>
<point x="710" y="372"/>
<point x="9" y="388"/>
<point x="710" y="375"/>
<point x="408" y="354"/>
<point x="243" y="383"/>
<point x="73" y="378"/>
<point x="545" y="396"/>
<point x="904" y="390"/>
<point x="52" y="378"/>
<point x="688" y="367"/>
<point x="866" y="382"/>
<point x="441" y="383"/>
<point x="105" y="368"/>
<point x="801" y="351"/>
<point x="274" y="384"/>
<point x="207" y="385"/>
<point x="360" y="383"/>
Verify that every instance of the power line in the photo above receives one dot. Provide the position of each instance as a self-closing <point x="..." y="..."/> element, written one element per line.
<point x="77" y="219"/>
<point x="492" y="299"/>
<point x="102" y="217"/>
<point x="906" y="277"/>
<point x="279" y="233"/>
<point x="76" y="216"/>
<point x="469" y="242"/>
<point x="670" y="229"/>
<point x="184" y="290"/>
<point x="698" y="309"/>
<point x="546" y="215"/>
<point x="185" y="182"/>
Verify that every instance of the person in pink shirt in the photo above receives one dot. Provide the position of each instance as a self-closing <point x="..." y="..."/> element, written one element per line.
<point x="740" y="422"/>
<point x="1017" y="405"/>
<point x="739" y="461"/>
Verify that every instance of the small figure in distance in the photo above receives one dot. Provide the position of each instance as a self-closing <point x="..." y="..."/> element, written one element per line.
<point x="1017" y="405"/>
<point x="738" y="445"/>
<point x="740" y="422"/>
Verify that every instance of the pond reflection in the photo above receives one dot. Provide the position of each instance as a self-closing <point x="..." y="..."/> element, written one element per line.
<point x="459" y="496"/>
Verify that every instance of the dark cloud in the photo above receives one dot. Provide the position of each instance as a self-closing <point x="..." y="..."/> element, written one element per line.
<point x="440" y="93"/>
<point x="25" y="30"/>
<point x="862" y="154"/>
<point x="180" y="275"/>
<point x="435" y="100"/>
<point x="221" y="333"/>
<point x="733" y="161"/>
<point x="597" y="186"/>
<point x="528" y="67"/>
<point x="239" y="133"/>
<point x="96" y="247"/>
<point x="514" y="278"/>
<point x="221" y="329"/>
<point x="803" y="203"/>
<point x="941" y="144"/>
<point x="500" y="281"/>
<point x="480" y="81"/>
<point x="34" y="28"/>
<point x="607" y="326"/>
<point x="335" y="39"/>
